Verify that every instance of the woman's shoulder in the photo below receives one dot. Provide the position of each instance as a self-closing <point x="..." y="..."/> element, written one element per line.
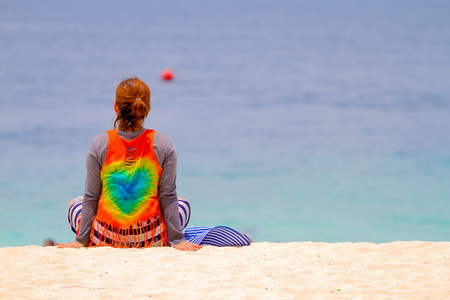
<point x="99" y="144"/>
<point x="162" y="138"/>
<point x="162" y="142"/>
<point x="100" y="139"/>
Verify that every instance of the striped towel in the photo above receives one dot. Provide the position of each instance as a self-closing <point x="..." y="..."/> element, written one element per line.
<point x="219" y="236"/>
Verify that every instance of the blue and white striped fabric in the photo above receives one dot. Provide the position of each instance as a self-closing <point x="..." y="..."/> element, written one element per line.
<point x="74" y="213"/>
<point x="184" y="210"/>
<point x="219" y="236"/>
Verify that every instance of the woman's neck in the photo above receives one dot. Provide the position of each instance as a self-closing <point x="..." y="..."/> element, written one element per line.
<point x="133" y="130"/>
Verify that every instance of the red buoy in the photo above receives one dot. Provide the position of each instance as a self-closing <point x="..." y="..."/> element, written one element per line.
<point x="167" y="74"/>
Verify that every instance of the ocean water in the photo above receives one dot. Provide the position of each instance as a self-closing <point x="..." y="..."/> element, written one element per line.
<point x="293" y="120"/>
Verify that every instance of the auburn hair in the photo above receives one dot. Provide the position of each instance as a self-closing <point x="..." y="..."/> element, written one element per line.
<point x="133" y="103"/>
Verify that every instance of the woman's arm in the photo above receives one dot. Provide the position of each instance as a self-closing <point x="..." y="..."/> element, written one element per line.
<point x="167" y="192"/>
<point x="93" y="188"/>
<point x="167" y="189"/>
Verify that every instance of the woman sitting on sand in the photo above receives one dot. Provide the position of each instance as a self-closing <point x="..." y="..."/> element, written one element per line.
<point x="130" y="197"/>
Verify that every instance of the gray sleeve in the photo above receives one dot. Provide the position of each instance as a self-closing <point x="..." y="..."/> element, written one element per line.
<point x="167" y="190"/>
<point x="93" y="186"/>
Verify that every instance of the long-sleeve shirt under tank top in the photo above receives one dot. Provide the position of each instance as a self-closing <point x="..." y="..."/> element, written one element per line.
<point x="167" y="193"/>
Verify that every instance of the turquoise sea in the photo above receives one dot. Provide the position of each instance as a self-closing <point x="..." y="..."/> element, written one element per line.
<point x="293" y="120"/>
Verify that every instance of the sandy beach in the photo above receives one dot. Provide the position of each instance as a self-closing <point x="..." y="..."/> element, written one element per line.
<point x="400" y="270"/>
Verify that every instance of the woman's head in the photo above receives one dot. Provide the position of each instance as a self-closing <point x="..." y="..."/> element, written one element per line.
<point x="132" y="104"/>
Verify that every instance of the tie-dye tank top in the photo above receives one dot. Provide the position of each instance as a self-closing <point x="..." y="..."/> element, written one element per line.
<point x="128" y="212"/>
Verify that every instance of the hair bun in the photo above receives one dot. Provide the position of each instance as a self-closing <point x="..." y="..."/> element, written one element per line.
<point x="133" y="100"/>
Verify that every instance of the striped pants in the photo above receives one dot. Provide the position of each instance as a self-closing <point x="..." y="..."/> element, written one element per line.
<point x="139" y="233"/>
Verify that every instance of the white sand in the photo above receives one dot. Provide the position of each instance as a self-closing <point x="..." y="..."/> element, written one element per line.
<point x="399" y="270"/>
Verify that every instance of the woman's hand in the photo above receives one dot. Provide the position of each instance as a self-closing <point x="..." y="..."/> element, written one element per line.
<point x="187" y="246"/>
<point x="70" y="245"/>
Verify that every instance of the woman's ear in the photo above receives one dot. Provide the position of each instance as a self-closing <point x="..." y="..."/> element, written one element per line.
<point x="116" y="108"/>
